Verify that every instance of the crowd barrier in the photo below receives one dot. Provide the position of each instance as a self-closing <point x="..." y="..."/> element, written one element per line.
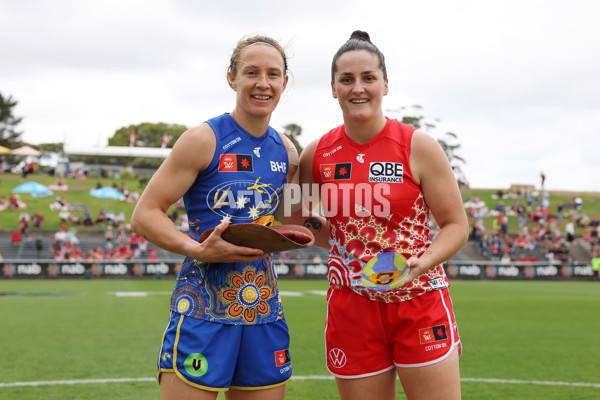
<point x="13" y="269"/>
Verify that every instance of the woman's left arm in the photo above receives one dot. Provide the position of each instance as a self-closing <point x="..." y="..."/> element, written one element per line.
<point x="432" y="171"/>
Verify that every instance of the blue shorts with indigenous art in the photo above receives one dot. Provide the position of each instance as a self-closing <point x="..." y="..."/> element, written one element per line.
<point x="214" y="356"/>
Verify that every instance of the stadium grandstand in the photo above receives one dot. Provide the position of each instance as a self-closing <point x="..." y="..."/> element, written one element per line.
<point x="513" y="232"/>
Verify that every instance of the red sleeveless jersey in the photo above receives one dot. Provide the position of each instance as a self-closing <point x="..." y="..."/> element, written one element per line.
<point x="373" y="206"/>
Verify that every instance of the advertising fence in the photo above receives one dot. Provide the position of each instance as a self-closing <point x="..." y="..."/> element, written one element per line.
<point x="18" y="269"/>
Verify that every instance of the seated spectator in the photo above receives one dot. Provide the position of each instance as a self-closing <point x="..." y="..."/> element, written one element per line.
<point x="58" y="204"/>
<point x="121" y="253"/>
<point x="475" y="232"/>
<point x="119" y="218"/>
<point x="123" y="189"/>
<point x="37" y="219"/>
<point x="87" y="218"/>
<point x="28" y="168"/>
<point x="549" y="256"/>
<point x="75" y="219"/>
<point x="96" y="254"/>
<point x="101" y="217"/>
<point x="4" y="204"/>
<point x="152" y="256"/>
<point x="64" y="214"/>
<point x="23" y="224"/>
<point x="24" y="216"/>
<point x="16" y="203"/>
<point x="500" y="207"/>
<point x="110" y="217"/>
<point x="16" y="238"/>
<point x="55" y="244"/>
<point x="570" y="231"/>
<point x="78" y="174"/>
<point x="72" y="236"/>
<point x="143" y="245"/>
<point x="76" y="254"/>
<point x="39" y="245"/>
<point x="61" y="236"/>
<point x="134" y="243"/>
<point x="59" y="185"/>
<point x="494" y="249"/>
<point x="183" y="223"/>
<point x="132" y="197"/>
<point x="109" y="236"/>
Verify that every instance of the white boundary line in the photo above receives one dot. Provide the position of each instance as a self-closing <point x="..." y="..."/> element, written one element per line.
<point x="294" y="378"/>
<point x="548" y="383"/>
<point x="75" y="382"/>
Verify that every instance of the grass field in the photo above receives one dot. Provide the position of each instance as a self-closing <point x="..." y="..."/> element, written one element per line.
<point x="522" y="340"/>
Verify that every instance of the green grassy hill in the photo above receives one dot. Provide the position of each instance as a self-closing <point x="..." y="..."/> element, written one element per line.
<point x="590" y="207"/>
<point x="78" y="195"/>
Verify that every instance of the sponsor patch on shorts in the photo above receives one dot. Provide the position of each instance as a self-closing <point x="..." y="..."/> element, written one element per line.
<point x="433" y="334"/>
<point x="282" y="357"/>
<point x="437" y="283"/>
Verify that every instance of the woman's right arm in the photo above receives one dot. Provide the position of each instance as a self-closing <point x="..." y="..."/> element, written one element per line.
<point x="191" y="154"/>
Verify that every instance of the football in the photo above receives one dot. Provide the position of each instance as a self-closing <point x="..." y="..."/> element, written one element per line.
<point x="385" y="271"/>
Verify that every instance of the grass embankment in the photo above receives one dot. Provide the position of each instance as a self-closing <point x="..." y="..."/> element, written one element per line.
<point x="78" y="195"/>
<point x="590" y="207"/>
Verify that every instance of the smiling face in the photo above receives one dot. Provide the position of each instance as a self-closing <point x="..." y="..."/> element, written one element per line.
<point x="359" y="86"/>
<point x="259" y="81"/>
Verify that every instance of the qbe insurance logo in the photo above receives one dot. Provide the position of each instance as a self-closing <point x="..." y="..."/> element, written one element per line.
<point x="389" y="172"/>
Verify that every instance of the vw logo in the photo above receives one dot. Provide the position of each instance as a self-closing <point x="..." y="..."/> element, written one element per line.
<point x="337" y="358"/>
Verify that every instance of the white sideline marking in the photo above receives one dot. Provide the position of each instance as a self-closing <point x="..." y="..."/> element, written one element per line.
<point x="137" y="294"/>
<point x="548" y="383"/>
<point x="294" y="378"/>
<point x="75" y="382"/>
<point x="286" y="293"/>
<point x="289" y="293"/>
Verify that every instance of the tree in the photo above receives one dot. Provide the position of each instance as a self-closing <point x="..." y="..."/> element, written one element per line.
<point x="147" y="134"/>
<point x="448" y="142"/>
<point x="9" y="135"/>
<point x="293" y="131"/>
<point x="56" y="148"/>
<point x="450" y="147"/>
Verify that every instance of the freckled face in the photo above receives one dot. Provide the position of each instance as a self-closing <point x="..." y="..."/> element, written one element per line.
<point x="259" y="81"/>
<point x="359" y="85"/>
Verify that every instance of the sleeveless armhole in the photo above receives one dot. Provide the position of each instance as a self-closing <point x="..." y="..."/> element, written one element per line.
<point x="214" y="162"/>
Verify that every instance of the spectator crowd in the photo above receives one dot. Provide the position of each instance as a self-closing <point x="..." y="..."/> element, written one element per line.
<point x="541" y="233"/>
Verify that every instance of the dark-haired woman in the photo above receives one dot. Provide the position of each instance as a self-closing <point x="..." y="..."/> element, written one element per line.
<point x="389" y="312"/>
<point x="226" y="330"/>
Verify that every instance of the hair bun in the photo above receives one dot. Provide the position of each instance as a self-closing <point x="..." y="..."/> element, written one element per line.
<point x="360" y="35"/>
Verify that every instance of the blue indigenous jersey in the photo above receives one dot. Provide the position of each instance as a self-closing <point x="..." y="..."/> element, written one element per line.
<point x="243" y="183"/>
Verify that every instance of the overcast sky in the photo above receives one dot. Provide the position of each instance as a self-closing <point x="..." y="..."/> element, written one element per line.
<point x="516" y="81"/>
